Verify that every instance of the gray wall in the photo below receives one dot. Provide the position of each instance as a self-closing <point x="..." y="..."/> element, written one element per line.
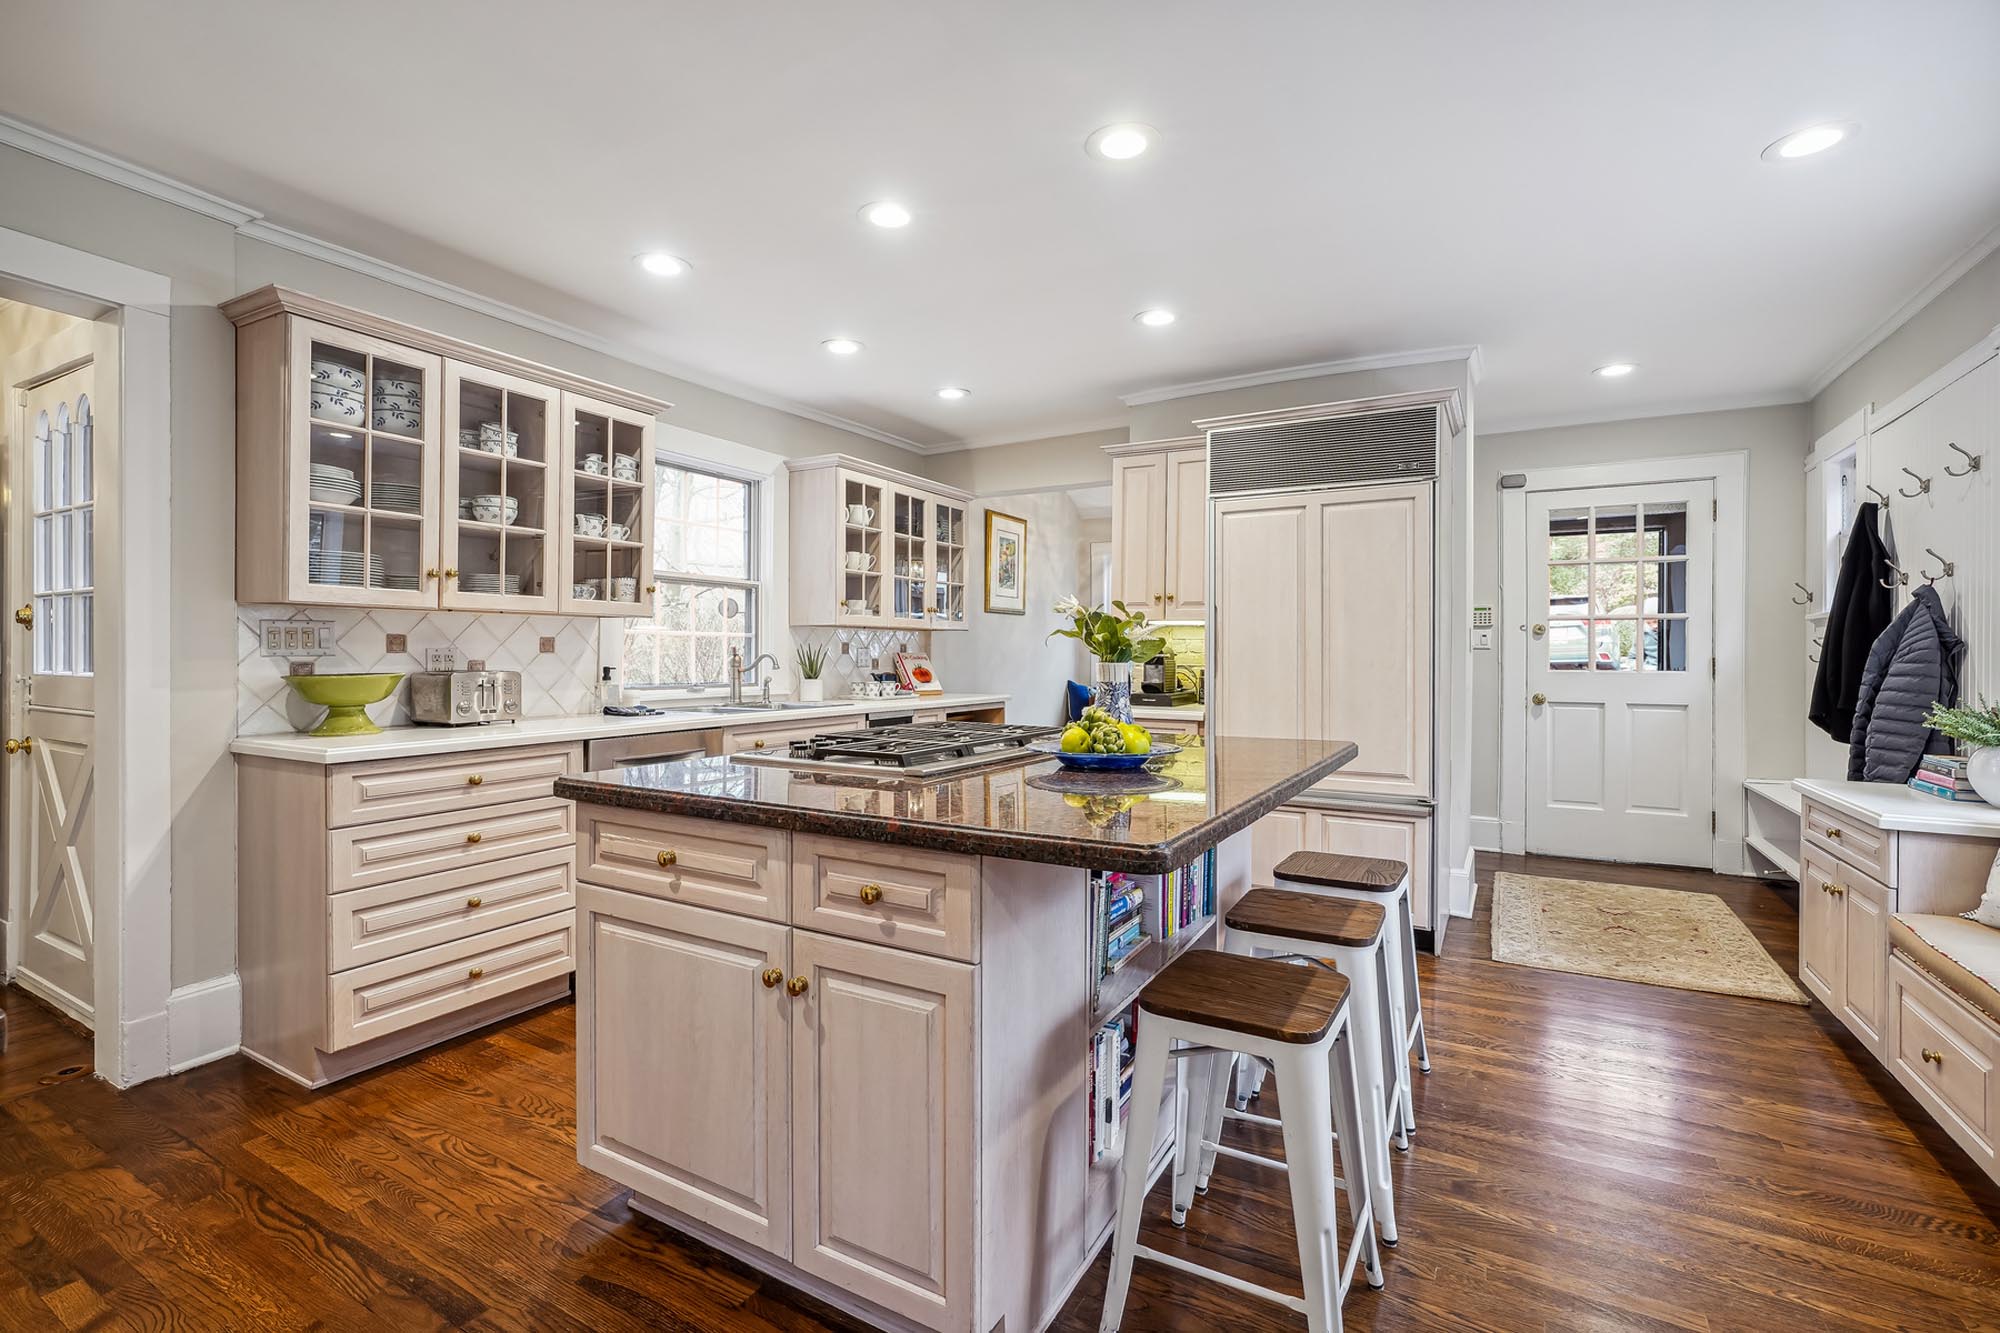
<point x="1956" y="318"/>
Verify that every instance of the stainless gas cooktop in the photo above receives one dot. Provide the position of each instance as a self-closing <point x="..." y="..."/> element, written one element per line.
<point x="911" y="749"/>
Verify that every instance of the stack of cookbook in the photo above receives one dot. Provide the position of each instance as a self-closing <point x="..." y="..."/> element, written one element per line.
<point x="1943" y="775"/>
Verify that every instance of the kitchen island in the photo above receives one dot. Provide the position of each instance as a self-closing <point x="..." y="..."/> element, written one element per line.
<point x="843" y="1025"/>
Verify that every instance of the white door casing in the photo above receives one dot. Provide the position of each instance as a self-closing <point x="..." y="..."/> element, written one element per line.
<point x="1620" y="673"/>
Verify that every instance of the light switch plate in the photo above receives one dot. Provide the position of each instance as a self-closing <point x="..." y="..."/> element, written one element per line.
<point x="296" y="637"/>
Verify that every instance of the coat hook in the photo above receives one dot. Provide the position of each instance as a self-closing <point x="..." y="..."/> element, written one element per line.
<point x="1971" y="462"/>
<point x="1807" y="600"/>
<point x="1880" y="498"/>
<point x="1901" y="577"/>
<point x="1923" y="486"/>
<point x="1949" y="567"/>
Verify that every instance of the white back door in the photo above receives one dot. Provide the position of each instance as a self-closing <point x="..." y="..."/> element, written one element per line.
<point x="1621" y="695"/>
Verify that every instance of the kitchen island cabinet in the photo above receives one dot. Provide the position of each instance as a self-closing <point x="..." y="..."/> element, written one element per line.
<point x="840" y="1026"/>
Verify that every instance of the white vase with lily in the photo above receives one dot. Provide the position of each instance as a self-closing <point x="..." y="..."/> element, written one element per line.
<point x="1115" y="639"/>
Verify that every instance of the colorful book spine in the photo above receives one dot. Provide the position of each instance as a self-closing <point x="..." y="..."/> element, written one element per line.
<point x="1946" y="793"/>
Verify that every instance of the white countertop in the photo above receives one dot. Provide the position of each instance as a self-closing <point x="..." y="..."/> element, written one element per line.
<point x="1887" y="805"/>
<point x="400" y="742"/>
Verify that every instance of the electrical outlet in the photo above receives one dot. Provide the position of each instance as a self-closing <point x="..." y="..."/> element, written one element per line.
<point x="441" y="659"/>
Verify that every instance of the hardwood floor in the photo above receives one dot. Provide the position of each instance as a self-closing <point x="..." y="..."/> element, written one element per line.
<point x="1591" y="1155"/>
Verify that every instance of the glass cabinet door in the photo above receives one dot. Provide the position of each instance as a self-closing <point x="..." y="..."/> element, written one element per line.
<point x="909" y="544"/>
<point x="607" y="526"/>
<point x="499" y="488"/>
<point x="948" y="565"/>
<point x="864" y="551"/>
<point x="365" y="420"/>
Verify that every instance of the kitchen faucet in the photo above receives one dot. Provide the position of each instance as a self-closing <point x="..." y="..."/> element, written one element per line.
<point x="737" y="671"/>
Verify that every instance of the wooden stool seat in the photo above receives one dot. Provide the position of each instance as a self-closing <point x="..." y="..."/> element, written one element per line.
<point x="1369" y="874"/>
<point x="1260" y="997"/>
<point x="1308" y="916"/>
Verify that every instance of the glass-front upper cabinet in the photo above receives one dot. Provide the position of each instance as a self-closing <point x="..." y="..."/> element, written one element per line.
<point x="362" y="509"/>
<point x="606" y="528"/>
<point x="864" y="551"/>
<point x="948" y="564"/>
<point x="909" y="547"/>
<point x="500" y="491"/>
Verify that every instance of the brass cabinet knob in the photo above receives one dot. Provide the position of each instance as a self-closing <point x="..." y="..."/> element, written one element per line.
<point x="472" y="837"/>
<point x="1932" y="1057"/>
<point x="473" y="780"/>
<point x="796" y="987"/>
<point x="651" y="588"/>
<point x="451" y="573"/>
<point x="475" y="973"/>
<point x="756" y="745"/>
<point x="1836" y="890"/>
<point x="430" y="574"/>
<point x="474" y="901"/>
<point x="772" y="976"/>
<point x="1833" y="833"/>
<point x="667" y="858"/>
<point x="1539" y="699"/>
<point x="871" y="894"/>
<point x="25" y="617"/>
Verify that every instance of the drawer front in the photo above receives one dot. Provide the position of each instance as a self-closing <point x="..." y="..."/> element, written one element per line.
<point x="737" y="868"/>
<point x="439" y="784"/>
<point x="778" y="735"/>
<point x="404" y="848"/>
<point x="1867" y="849"/>
<point x="390" y="920"/>
<point x="381" y="998"/>
<point x="1946" y="1057"/>
<point x="899" y="896"/>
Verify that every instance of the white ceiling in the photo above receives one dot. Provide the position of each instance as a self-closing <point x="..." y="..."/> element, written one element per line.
<point x="1565" y="183"/>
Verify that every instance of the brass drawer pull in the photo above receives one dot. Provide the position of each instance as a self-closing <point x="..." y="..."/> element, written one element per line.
<point x="871" y="894"/>
<point x="474" y="780"/>
<point x="1833" y="833"/>
<point x="772" y="976"/>
<point x="796" y="987"/>
<point x="1932" y="1057"/>
<point x="756" y="745"/>
<point x="472" y="837"/>
<point x="474" y="901"/>
<point x="668" y="858"/>
<point x="474" y="974"/>
<point x="1836" y="890"/>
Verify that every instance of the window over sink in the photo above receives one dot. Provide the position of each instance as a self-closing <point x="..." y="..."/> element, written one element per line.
<point x="706" y="578"/>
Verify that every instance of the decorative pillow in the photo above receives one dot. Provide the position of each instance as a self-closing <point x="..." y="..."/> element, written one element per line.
<point x="1988" y="911"/>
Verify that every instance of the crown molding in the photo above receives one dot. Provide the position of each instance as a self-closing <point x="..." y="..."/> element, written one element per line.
<point x="1905" y="312"/>
<point x="1737" y="403"/>
<point x="1051" y="433"/>
<point x="1468" y="353"/>
<point x="30" y="139"/>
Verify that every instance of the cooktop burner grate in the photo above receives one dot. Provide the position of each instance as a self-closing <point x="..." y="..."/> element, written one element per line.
<point x="916" y="745"/>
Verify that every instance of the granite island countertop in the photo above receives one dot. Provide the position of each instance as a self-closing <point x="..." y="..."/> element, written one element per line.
<point x="1150" y="822"/>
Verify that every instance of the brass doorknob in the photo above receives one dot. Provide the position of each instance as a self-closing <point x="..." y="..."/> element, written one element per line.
<point x="772" y="976"/>
<point x="1539" y="630"/>
<point x="475" y="973"/>
<point x="13" y="746"/>
<point x="25" y="617"/>
<point x="473" y="780"/>
<point x="26" y="745"/>
<point x="472" y="837"/>
<point x="1932" y="1057"/>
<point x="1539" y="700"/>
<point x="796" y="987"/>
<point x="871" y="894"/>
<point x="667" y="858"/>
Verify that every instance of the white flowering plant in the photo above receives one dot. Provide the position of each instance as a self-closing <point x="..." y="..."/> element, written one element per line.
<point x="1116" y="635"/>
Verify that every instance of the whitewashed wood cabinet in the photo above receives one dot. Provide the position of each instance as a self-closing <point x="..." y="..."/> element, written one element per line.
<point x="1397" y="835"/>
<point x="1159" y="527"/>
<point x="382" y="465"/>
<point x="875" y="548"/>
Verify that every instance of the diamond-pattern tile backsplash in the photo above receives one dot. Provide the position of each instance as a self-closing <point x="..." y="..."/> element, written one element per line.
<point x="855" y="652"/>
<point x="553" y="684"/>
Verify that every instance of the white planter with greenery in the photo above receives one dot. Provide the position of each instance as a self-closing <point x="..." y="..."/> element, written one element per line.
<point x="1979" y="730"/>
<point x="812" y="663"/>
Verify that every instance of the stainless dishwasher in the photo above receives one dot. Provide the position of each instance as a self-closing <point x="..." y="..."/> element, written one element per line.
<point x="634" y="751"/>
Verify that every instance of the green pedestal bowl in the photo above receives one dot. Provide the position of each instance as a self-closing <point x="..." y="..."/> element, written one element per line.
<point x="346" y="697"/>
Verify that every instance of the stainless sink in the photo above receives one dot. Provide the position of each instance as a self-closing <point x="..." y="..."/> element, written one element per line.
<point x="775" y="707"/>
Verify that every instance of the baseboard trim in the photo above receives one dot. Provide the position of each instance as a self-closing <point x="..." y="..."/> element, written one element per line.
<point x="1485" y="833"/>
<point x="204" y="1022"/>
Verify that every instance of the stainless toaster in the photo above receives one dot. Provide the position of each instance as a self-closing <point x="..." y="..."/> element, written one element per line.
<point x="456" y="698"/>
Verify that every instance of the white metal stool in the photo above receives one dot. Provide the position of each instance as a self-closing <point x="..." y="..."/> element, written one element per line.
<point x="1354" y="936"/>
<point x="1291" y="1016"/>
<point x="1380" y="880"/>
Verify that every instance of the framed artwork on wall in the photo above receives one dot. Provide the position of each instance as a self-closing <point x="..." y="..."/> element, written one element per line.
<point x="1006" y="564"/>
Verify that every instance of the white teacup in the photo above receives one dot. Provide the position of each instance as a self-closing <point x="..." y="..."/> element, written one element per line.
<point x="860" y="514"/>
<point x="856" y="606"/>
<point x="593" y="464"/>
<point x="860" y="560"/>
<point x="583" y="592"/>
<point x="589" y="525"/>
<point x="619" y="532"/>
<point x="624" y="590"/>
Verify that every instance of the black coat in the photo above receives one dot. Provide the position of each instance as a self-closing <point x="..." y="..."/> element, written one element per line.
<point x="1859" y="613"/>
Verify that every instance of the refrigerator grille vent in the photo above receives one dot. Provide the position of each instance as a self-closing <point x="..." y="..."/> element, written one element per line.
<point x="1332" y="451"/>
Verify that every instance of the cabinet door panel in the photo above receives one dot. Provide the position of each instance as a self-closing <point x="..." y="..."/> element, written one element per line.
<point x="1187" y="534"/>
<point x="1821" y="921"/>
<point x="490" y="561"/>
<point x="1265" y="661"/>
<point x="1374" y="649"/>
<point x="1287" y="829"/>
<point x="1864" y="942"/>
<point x="1138" y="537"/>
<point x="681" y="1061"/>
<point x="1396" y="837"/>
<point x="883" y="1126"/>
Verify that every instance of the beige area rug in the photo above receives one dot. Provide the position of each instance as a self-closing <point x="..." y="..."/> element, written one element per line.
<point x="1662" y="937"/>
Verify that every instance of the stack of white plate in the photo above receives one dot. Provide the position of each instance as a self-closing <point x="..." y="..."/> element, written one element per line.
<point x="344" y="567"/>
<point x="510" y="584"/>
<point x="407" y="582"/>
<point x="399" y="405"/>
<point x="404" y="496"/>
<point x="332" y="485"/>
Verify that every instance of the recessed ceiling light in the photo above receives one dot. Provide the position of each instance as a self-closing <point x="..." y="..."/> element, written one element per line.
<point x="841" y="346"/>
<point x="1156" y="319"/>
<point x="952" y="393"/>
<point x="662" y="265"/>
<point x="1119" y="143"/>
<point x="1807" y="142"/>
<point x="1617" y="370"/>
<point x="887" y="213"/>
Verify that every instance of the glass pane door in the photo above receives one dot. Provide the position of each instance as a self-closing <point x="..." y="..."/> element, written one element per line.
<point x="863" y="547"/>
<point x="948" y="560"/>
<point x="608" y="539"/>
<point x="63" y="493"/>
<point x="910" y="549"/>
<point x="501" y="453"/>
<point x="367" y="469"/>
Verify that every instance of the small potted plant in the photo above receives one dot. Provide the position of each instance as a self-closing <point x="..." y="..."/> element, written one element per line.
<point x="1116" y="639"/>
<point x="812" y="663"/>
<point x="1979" y="730"/>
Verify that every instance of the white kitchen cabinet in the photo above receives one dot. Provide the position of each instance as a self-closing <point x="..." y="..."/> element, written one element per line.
<point x="354" y="488"/>
<point x="1394" y="834"/>
<point x="875" y="548"/>
<point x="1159" y="527"/>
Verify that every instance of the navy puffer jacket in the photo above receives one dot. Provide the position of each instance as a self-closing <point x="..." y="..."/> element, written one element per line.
<point x="1912" y="665"/>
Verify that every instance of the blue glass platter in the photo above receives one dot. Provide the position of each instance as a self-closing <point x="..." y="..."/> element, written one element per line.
<point x="1103" y="763"/>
